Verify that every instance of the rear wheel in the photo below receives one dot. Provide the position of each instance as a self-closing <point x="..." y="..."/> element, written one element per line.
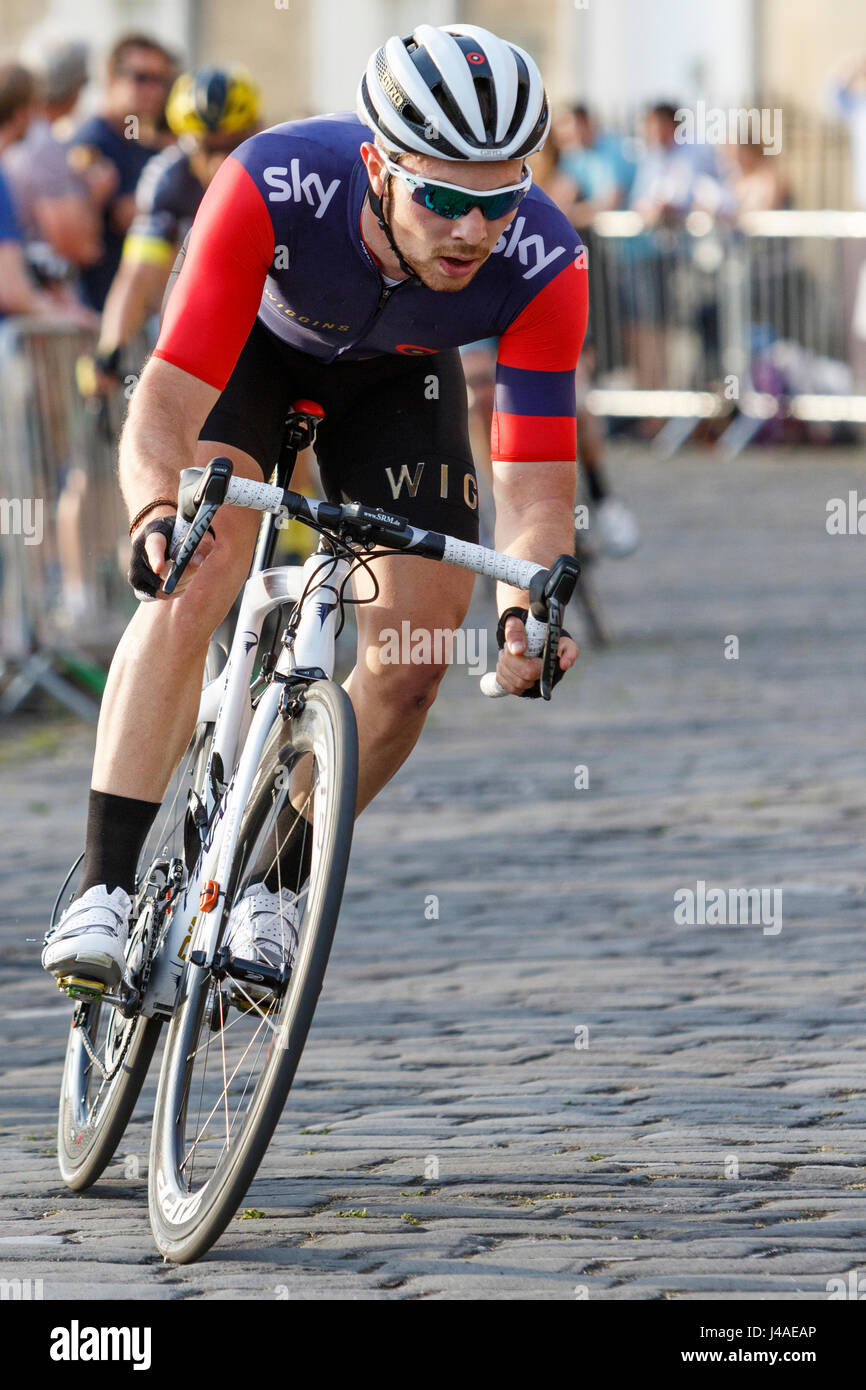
<point x="108" y="1055"/>
<point x="230" y="1056"/>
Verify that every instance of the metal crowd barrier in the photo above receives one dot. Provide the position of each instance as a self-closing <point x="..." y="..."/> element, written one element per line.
<point x="64" y="600"/>
<point x="759" y="322"/>
<point x="804" y="306"/>
<point x="662" y="321"/>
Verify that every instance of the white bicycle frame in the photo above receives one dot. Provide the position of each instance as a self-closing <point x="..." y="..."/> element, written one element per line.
<point x="240" y="733"/>
<point x="225" y="702"/>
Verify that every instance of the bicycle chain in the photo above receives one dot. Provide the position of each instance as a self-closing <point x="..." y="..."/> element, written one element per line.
<point x="107" y="1077"/>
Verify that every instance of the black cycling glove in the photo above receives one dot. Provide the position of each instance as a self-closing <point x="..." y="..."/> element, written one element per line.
<point x="534" y="691"/>
<point x="145" y="584"/>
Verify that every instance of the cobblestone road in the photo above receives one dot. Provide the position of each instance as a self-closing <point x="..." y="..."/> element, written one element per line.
<point x="708" y="1140"/>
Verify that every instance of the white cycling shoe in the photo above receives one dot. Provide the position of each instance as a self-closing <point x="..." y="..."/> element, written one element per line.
<point x="263" y="928"/>
<point x="617" y="529"/>
<point x="90" y="938"/>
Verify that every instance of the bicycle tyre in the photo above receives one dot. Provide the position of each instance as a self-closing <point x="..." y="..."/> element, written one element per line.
<point x="186" y="1224"/>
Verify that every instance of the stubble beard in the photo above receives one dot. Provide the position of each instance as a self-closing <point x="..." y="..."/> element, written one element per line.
<point x="427" y="270"/>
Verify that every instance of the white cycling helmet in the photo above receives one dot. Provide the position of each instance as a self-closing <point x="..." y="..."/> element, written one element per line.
<point x="456" y="92"/>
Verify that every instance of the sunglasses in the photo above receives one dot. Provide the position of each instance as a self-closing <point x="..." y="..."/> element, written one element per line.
<point x="142" y="79"/>
<point x="451" y="201"/>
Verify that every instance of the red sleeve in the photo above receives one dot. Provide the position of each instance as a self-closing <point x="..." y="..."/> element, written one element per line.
<point x="534" y="407"/>
<point x="217" y="295"/>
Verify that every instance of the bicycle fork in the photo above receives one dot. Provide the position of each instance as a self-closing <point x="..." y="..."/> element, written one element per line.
<point x="195" y="916"/>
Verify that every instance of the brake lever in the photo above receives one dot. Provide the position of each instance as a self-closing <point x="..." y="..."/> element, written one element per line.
<point x="550" y="655"/>
<point x="548" y="596"/>
<point x="209" y="497"/>
<point x="203" y="518"/>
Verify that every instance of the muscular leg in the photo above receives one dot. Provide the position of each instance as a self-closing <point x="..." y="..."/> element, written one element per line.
<point x="153" y="690"/>
<point x="391" y="701"/>
<point x="151" y="699"/>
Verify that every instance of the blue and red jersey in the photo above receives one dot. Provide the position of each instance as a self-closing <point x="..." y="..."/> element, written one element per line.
<point x="278" y="237"/>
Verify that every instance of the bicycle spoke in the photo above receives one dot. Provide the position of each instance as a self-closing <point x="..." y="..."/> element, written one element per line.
<point x="264" y="1026"/>
<point x="219" y="994"/>
<point x="220" y="1096"/>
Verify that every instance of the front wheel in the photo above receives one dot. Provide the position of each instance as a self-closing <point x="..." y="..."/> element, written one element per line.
<point x="230" y="1059"/>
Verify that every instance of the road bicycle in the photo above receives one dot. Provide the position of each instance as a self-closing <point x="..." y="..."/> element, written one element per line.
<point x="267" y="788"/>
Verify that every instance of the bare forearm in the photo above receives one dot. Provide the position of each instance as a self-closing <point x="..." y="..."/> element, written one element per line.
<point x="536" y="530"/>
<point x="71" y="226"/>
<point x="136" y="287"/>
<point x="167" y="411"/>
<point x="18" y="294"/>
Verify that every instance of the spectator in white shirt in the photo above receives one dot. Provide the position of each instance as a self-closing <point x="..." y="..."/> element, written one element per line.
<point x="848" y="100"/>
<point x="664" y="186"/>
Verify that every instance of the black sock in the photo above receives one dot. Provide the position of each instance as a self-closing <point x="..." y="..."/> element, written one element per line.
<point x="295" y="858"/>
<point x="117" y="828"/>
<point x="596" y="483"/>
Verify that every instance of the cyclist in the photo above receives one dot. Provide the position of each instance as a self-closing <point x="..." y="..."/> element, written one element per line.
<point x="348" y="270"/>
<point x="211" y="111"/>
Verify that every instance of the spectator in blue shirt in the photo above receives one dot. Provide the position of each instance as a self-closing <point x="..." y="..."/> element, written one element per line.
<point x="9" y="230"/>
<point x="596" y="162"/>
<point x="124" y="135"/>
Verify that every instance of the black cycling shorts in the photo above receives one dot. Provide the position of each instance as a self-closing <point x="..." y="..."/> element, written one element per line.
<point x="395" y="432"/>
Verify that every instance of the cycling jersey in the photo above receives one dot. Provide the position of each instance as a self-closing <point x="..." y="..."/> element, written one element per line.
<point x="278" y="238"/>
<point x="167" y="198"/>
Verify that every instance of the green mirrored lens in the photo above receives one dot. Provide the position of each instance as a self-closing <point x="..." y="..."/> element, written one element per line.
<point x="499" y="205"/>
<point x="447" y="202"/>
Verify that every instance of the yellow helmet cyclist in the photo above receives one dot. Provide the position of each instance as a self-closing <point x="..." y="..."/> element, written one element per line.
<point x="213" y="100"/>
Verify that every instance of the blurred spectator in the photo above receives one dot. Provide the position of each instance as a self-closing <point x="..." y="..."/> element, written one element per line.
<point x="667" y="174"/>
<point x="551" y="177"/>
<point x="752" y="182"/>
<point x="18" y="293"/>
<point x="848" y="98"/>
<point x="52" y="203"/>
<point x="123" y="136"/>
<point x="211" y="111"/>
<point x="596" y="162"/>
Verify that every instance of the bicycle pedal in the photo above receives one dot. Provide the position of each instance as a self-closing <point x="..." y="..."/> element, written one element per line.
<point x="78" y="988"/>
